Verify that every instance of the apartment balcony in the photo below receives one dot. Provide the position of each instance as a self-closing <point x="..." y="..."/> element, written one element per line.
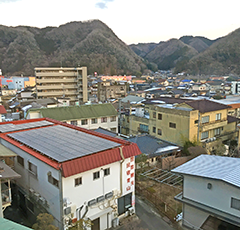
<point x="57" y="74"/>
<point x="213" y="125"/>
<point x="59" y="86"/>
<point x="57" y="93"/>
<point x="54" y="80"/>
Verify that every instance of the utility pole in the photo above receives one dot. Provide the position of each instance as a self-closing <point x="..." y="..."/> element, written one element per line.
<point x="198" y="126"/>
<point x="120" y="115"/>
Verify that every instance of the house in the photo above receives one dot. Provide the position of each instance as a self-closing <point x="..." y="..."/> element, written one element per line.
<point x="2" y="112"/>
<point x="211" y="192"/>
<point x="90" y="116"/>
<point x="71" y="173"/>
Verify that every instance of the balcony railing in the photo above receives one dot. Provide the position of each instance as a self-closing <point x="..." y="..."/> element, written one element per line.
<point x="213" y="125"/>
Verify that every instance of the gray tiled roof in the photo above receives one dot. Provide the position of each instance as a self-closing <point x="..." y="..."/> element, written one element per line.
<point x="226" y="169"/>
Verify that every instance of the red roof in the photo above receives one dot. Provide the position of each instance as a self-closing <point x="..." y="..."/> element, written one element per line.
<point x="2" y="109"/>
<point x="80" y="164"/>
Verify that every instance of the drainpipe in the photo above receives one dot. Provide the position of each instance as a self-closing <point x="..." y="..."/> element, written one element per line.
<point x="121" y="166"/>
<point x="61" y="198"/>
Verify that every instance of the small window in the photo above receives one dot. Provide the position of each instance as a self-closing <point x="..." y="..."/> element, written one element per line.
<point x="20" y="160"/>
<point x="94" y="121"/>
<point x="32" y="168"/>
<point x="154" y="114"/>
<point x="217" y="131"/>
<point x="159" y="116"/>
<point x="205" y="119"/>
<point x="159" y="132"/>
<point x="218" y="116"/>
<point x="74" y="122"/>
<point x="235" y="203"/>
<point x="204" y="135"/>
<point x="30" y="206"/>
<point x="107" y="172"/>
<point x="154" y="129"/>
<point x="84" y="122"/>
<point x="113" y="118"/>
<point x="172" y="125"/>
<point x="53" y="180"/>
<point x="113" y="130"/>
<point x="104" y="119"/>
<point x="196" y="122"/>
<point x="96" y="175"/>
<point x="78" y="181"/>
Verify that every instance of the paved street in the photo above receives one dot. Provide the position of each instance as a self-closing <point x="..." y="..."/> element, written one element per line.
<point x="148" y="219"/>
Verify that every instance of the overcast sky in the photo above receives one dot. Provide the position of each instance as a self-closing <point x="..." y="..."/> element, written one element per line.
<point x="133" y="21"/>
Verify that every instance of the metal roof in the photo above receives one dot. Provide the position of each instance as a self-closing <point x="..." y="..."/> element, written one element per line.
<point x="226" y="169"/>
<point x="7" y="173"/>
<point x="5" y="152"/>
<point x="10" y="225"/>
<point x="62" y="143"/>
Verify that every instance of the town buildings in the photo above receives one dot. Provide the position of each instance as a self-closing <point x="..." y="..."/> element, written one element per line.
<point x="90" y="116"/>
<point x="62" y="82"/>
<point x="211" y="189"/>
<point x="71" y="173"/>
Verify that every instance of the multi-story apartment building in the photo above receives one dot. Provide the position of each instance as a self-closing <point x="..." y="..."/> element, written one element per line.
<point x="177" y="120"/>
<point x="71" y="173"/>
<point x="86" y="116"/>
<point x="62" y="82"/>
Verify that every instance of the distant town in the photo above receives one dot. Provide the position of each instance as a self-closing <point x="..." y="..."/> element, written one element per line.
<point x="85" y="151"/>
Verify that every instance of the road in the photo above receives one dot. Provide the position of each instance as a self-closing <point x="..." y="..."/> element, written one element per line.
<point x="148" y="219"/>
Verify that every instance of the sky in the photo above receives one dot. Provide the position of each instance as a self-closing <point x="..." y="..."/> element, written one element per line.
<point x="133" y="21"/>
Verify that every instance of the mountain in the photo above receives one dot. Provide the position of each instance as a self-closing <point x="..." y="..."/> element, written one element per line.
<point x="221" y="58"/>
<point x="89" y="43"/>
<point x="142" y="49"/>
<point x="167" y="54"/>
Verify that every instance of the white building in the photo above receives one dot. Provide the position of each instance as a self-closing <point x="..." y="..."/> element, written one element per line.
<point x="211" y="192"/>
<point x="235" y="87"/>
<point x="90" y="116"/>
<point x="71" y="173"/>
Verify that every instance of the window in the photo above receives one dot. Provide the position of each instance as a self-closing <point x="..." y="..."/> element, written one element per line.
<point x="159" y="116"/>
<point x="159" y="132"/>
<point x="154" y="114"/>
<point x="78" y="181"/>
<point x="74" y="122"/>
<point x="107" y="172"/>
<point x="113" y="130"/>
<point x="217" y="131"/>
<point x="20" y="160"/>
<point x="235" y="203"/>
<point x="113" y="118"/>
<point x="94" y="121"/>
<point x="53" y="180"/>
<point x="205" y="119"/>
<point x="154" y="129"/>
<point x="124" y="203"/>
<point x="172" y="125"/>
<point x="30" y="206"/>
<point x="143" y="128"/>
<point x="96" y="175"/>
<point x="196" y="122"/>
<point x="84" y="122"/>
<point x="32" y="168"/>
<point x="218" y="116"/>
<point x="204" y="135"/>
<point x="104" y="119"/>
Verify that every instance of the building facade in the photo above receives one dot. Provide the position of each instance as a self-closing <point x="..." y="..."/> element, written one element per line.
<point x="62" y="82"/>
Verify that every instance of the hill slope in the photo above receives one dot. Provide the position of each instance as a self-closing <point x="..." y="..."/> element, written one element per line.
<point x="90" y="44"/>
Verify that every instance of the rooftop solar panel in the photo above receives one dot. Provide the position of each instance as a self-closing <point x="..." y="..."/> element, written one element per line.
<point x="62" y="143"/>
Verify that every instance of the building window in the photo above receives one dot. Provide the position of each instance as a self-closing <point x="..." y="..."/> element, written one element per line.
<point x="143" y="128"/>
<point x="84" y="122"/>
<point x="30" y="206"/>
<point x="172" y="125"/>
<point x="218" y="116"/>
<point x="53" y="180"/>
<point x="73" y="122"/>
<point x="159" y="116"/>
<point x="94" y="121"/>
<point x="104" y="119"/>
<point x="204" y="135"/>
<point x="20" y="160"/>
<point x="113" y="118"/>
<point x="107" y="172"/>
<point x="96" y="175"/>
<point x="78" y="181"/>
<point x="113" y="130"/>
<point x="217" y="131"/>
<point x="154" y="114"/>
<point x="154" y="129"/>
<point x="124" y="203"/>
<point x="235" y="203"/>
<point x="205" y="119"/>
<point x="32" y="168"/>
<point x="159" y="132"/>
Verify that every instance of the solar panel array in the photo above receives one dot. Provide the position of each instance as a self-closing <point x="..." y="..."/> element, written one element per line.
<point x="11" y="127"/>
<point x="62" y="143"/>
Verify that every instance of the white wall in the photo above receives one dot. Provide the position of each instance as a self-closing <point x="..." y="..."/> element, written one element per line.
<point x="33" y="115"/>
<point x="219" y="196"/>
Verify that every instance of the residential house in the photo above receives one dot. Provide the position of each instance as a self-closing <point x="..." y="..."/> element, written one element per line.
<point x="210" y="197"/>
<point x="2" y="113"/>
<point x="90" y="116"/>
<point x="71" y="173"/>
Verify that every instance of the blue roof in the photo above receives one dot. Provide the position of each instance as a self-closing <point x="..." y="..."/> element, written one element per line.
<point x="226" y="169"/>
<point x="186" y="80"/>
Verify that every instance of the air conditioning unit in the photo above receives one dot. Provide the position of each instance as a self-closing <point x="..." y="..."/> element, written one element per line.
<point x="131" y="210"/>
<point x="36" y="196"/>
<point x="115" y="222"/>
<point x="31" y="192"/>
<point x="42" y="201"/>
<point x="126" y="213"/>
<point x="67" y="211"/>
